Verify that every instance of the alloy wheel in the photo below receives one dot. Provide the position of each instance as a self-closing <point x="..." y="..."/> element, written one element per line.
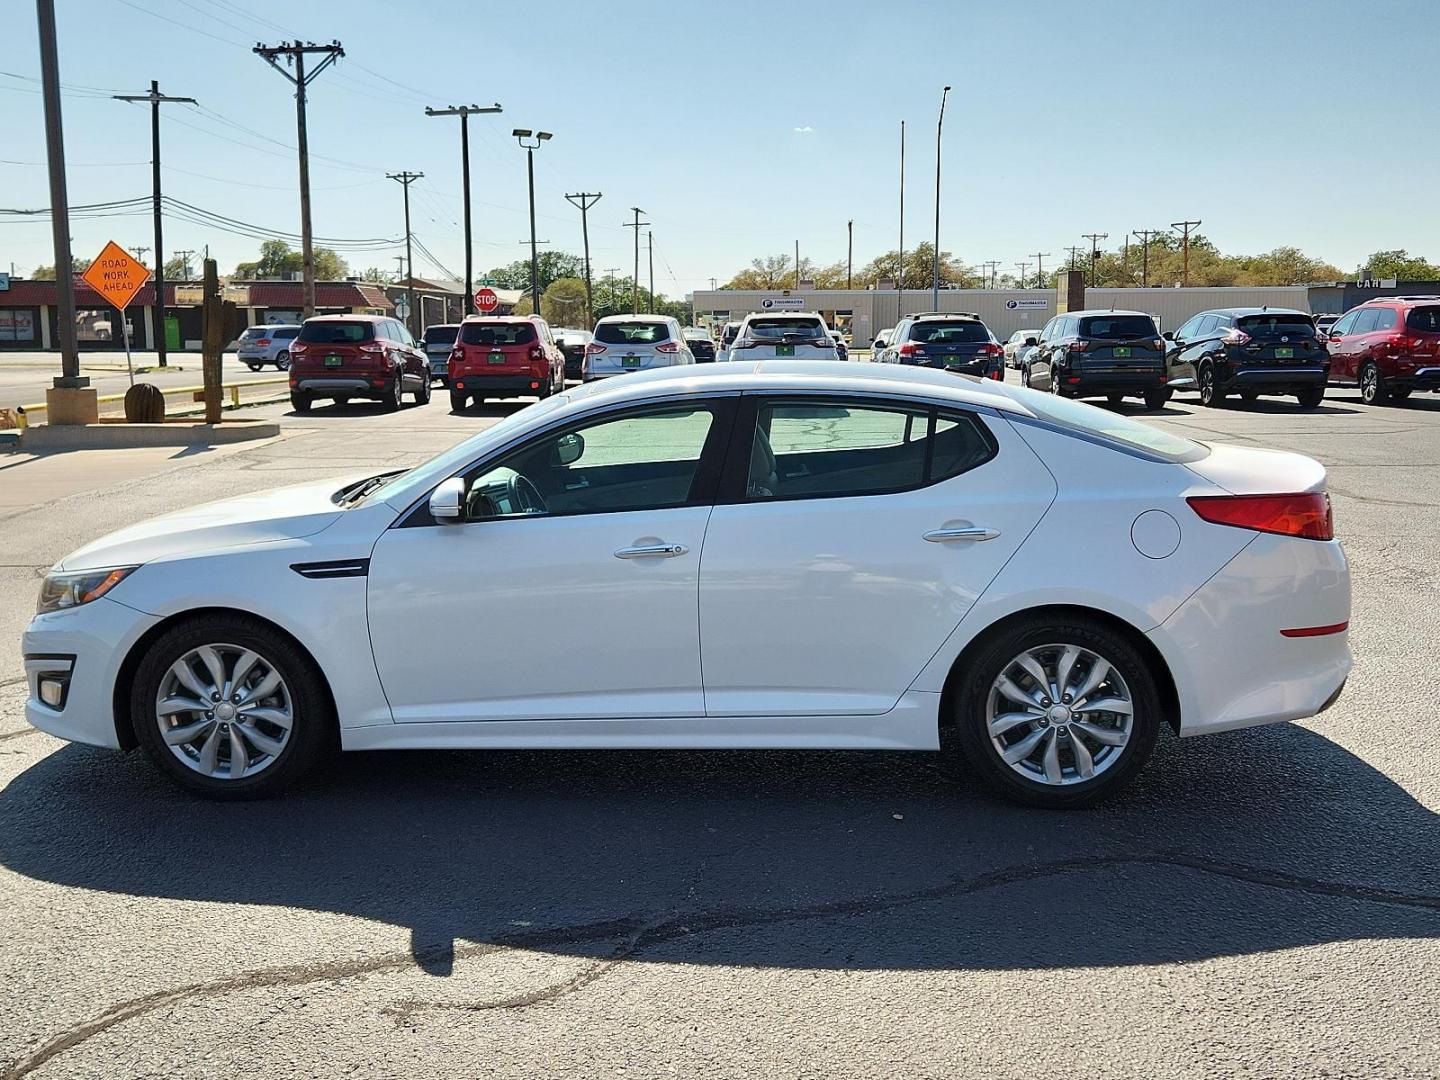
<point x="224" y="711"/>
<point x="1369" y="384"/>
<point x="1059" y="714"/>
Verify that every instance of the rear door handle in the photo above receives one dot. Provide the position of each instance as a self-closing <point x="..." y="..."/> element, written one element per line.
<point x="975" y="533"/>
<point x="652" y="551"/>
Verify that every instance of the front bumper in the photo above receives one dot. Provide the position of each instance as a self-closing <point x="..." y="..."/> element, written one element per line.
<point x="497" y="385"/>
<point x="93" y="640"/>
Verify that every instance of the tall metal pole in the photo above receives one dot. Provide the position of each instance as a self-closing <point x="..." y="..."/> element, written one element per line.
<point x="295" y="52"/>
<point x="464" y="111"/>
<point x="1094" y="238"/>
<point x="534" y="250"/>
<point x="584" y="200"/>
<point x="70" y="376"/>
<point x="935" y="279"/>
<point x="850" y="254"/>
<point x="900" y="278"/>
<point x="1185" y="227"/>
<point x="405" y="179"/>
<point x="156" y="99"/>
<point x="635" y="281"/>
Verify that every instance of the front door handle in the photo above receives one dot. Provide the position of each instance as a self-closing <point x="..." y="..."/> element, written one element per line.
<point x="652" y="551"/>
<point x="975" y="533"/>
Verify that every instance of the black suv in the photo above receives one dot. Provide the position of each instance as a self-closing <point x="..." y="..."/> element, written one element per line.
<point x="1250" y="351"/>
<point x="1109" y="354"/>
<point x="955" y="341"/>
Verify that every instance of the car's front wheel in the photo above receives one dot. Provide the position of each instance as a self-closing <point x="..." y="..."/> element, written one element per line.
<point x="230" y="708"/>
<point x="1057" y="713"/>
<point x="1211" y="396"/>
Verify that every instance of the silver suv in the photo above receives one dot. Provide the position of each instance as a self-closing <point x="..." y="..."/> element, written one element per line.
<point x="800" y="335"/>
<point x="261" y="345"/>
<point x="634" y="343"/>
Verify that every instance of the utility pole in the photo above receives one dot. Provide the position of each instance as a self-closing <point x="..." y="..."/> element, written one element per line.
<point x="584" y="200"/>
<point x="991" y="265"/>
<point x="140" y="250"/>
<point x="464" y="111"/>
<point x="797" y="264"/>
<point x="405" y="179"/>
<point x="1185" y="227"/>
<point x="1144" y="236"/>
<point x="1074" y="256"/>
<point x="935" y="277"/>
<point x="295" y="52"/>
<point x="184" y="256"/>
<point x="531" y="142"/>
<point x="1040" y="257"/>
<point x="70" y="377"/>
<point x="156" y="99"/>
<point x="1023" y="267"/>
<point x="849" y="254"/>
<point x="1094" y="239"/>
<point x="635" y="281"/>
<point x="650" y="242"/>
<point x="900" y="277"/>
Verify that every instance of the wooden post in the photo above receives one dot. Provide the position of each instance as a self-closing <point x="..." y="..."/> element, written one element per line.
<point x="212" y="336"/>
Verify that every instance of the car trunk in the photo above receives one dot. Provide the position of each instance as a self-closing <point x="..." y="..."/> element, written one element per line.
<point x="1279" y="342"/>
<point x="337" y="348"/>
<point x="1120" y="343"/>
<point x="499" y="348"/>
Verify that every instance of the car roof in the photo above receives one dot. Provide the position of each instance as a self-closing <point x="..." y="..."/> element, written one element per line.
<point x="1107" y="311"/>
<point x="1400" y="299"/>
<point x="500" y="318"/>
<point x="835" y="376"/>
<point x="964" y="316"/>
<point x="438" y="325"/>
<point x="1243" y="311"/>
<point x="347" y="318"/>
<point x="785" y="314"/>
<point x="642" y="317"/>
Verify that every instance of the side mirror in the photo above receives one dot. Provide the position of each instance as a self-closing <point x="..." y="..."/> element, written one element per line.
<point x="569" y="448"/>
<point x="447" y="501"/>
<point x="1032" y="341"/>
<point x="1168" y="335"/>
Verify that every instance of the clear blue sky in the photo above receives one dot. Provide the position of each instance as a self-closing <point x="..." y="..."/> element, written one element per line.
<point x="742" y="127"/>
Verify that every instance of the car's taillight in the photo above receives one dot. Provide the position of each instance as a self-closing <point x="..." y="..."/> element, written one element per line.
<point x="594" y="347"/>
<point x="457" y="353"/>
<point x="373" y="347"/>
<point x="1235" y="336"/>
<point x="826" y="342"/>
<point x="998" y="374"/>
<point x="296" y="348"/>
<point x="263" y="341"/>
<point x="668" y="347"/>
<point x="1079" y="345"/>
<point x="991" y="349"/>
<point x="1158" y="344"/>
<point x="911" y="348"/>
<point x="746" y="343"/>
<point x="537" y="353"/>
<point x="1306" y="515"/>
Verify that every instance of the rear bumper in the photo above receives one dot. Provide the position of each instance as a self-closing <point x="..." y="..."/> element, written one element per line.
<point x="496" y="385"/>
<point x="1422" y="378"/>
<point x="1273" y="378"/>
<point x="1112" y="382"/>
<point x="1232" y="666"/>
<point x="343" y="385"/>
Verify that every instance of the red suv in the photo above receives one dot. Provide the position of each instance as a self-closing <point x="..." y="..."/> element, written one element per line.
<point x="504" y="356"/>
<point x="356" y="356"/>
<point x="1388" y="347"/>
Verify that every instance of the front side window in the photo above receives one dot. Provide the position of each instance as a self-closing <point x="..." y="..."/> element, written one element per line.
<point x="1365" y="320"/>
<point x="825" y="450"/>
<point x="1187" y="331"/>
<point x="285" y="333"/>
<point x="1345" y="324"/>
<point x="640" y="461"/>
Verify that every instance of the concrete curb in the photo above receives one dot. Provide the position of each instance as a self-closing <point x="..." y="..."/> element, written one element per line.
<point x="50" y="437"/>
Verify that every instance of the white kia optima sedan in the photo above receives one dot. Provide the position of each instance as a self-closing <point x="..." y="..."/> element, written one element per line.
<point x="735" y="555"/>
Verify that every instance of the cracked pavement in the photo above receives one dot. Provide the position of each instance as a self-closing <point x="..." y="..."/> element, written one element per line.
<point x="1260" y="903"/>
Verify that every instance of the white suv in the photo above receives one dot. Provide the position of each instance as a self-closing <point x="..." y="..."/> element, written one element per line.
<point x="800" y="335"/>
<point x="634" y="343"/>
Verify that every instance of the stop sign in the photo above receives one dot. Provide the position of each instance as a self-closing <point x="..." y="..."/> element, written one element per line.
<point x="486" y="301"/>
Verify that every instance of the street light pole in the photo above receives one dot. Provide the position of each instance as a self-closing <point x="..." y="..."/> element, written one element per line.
<point x="935" y="280"/>
<point x="900" y="277"/>
<point x="464" y="111"/>
<point x="530" y="141"/>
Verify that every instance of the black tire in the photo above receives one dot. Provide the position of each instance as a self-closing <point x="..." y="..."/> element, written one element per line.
<point x="990" y="661"/>
<point x="300" y="402"/>
<point x="394" y="401"/>
<point x="313" y="731"/>
<point x="253" y="367"/>
<point x="458" y="400"/>
<point x="1211" y="396"/>
<point x="1372" y="386"/>
<point x="1155" y="400"/>
<point x="1311" y="397"/>
<point x="342" y="402"/>
<point x="1025" y="377"/>
<point x="1249" y="396"/>
<point x="1114" y="399"/>
<point x="282" y="361"/>
<point x="422" y="396"/>
<point x="1401" y="393"/>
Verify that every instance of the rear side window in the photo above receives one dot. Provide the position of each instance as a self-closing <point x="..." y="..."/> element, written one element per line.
<point x="1424" y="319"/>
<point x="949" y="333"/>
<point x="337" y="333"/>
<point x="1275" y="324"/>
<point x="441" y="335"/>
<point x="285" y="333"/>
<point x="823" y="450"/>
<point x="773" y="328"/>
<point x="632" y="333"/>
<point x="1386" y="318"/>
<point x="1364" y="321"/>
<point x="1117" y="326"/>
<point x="482" y="333"/>
<point x="254" y="333"/>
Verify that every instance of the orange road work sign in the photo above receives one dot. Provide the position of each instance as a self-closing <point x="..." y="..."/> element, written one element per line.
<point x="116" y="275"/>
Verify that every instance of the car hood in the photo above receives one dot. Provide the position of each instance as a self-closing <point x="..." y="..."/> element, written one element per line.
<point x="286" y="513"/>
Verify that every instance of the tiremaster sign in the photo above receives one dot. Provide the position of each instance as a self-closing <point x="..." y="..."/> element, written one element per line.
<point x="782" y="303"/>
<point x="1027" y="305"/>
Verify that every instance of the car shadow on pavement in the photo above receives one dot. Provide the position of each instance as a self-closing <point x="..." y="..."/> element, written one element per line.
<point x="1240" y="843"/>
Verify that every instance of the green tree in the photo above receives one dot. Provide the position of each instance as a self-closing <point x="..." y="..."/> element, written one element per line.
<point x="563" y="303"/>
<point x="769" y="272"/>
<point x="277" y="259"/>
<point x="919" y="269"/>
<point x="47" y="273"/>
<point x="551" y="267"/>
<point x="1401" y="265"/>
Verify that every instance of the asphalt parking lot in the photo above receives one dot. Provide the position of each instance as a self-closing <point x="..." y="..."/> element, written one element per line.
<point x="1263" y="903"/>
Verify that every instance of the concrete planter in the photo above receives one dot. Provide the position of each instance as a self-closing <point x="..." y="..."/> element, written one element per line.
<point x="109" y="434"/>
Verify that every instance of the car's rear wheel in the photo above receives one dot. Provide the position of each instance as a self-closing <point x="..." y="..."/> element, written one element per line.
<point x="1249" y="396"/>
<point x="1057" y="714"/>
<point x="393" y="401"/>
<point x="1372" y="386"/>
<point x="282" y="361"/>
<point x="1156" y="399"/>
<point x="1311" y="397"/>
<point x="1114" y="399"/>
<point x="458" y="400"/>
<point x="230" y="708"/>
<point x="300" y="402"/>
<point x="253" y="367"/>
<point x="1211" y="396"/>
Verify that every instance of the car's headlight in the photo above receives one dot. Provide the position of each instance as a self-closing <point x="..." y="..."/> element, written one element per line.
<point x="61" y="590"/>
